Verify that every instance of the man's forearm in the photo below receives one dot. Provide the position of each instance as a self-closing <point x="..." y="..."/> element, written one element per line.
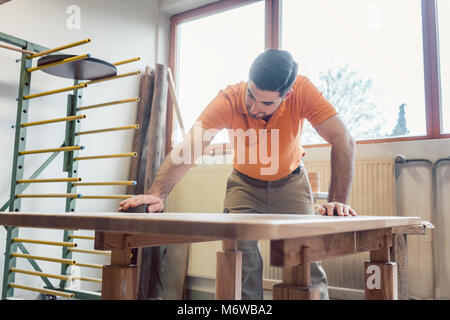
<point x="168" y="175"/>
<point x="342" y="158"/>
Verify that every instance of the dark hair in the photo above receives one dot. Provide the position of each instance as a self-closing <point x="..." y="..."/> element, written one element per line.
<point x="274" y="70"/>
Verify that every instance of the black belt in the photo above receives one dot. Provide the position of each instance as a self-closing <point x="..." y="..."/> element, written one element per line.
<point x="263" y="184"/>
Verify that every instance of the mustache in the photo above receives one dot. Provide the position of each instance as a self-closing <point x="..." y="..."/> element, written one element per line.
<point x="262" y="114"/>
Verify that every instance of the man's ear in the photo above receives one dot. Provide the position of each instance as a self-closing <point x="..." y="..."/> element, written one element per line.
<point x="288" y="94"/>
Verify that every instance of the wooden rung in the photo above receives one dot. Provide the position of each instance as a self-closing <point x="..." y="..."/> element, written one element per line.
<point x="81" y="237"/>
<point x="29" y="256"/>
<point x="48" y="180"/>
<point x="89" y="265"/>
<point x="47" y="291"/>
<point x="108" y="103"/>
<point x="57" y="63"/>
<point x="111" y="183"/>
<point x="127" y="196"/>
<point x="15" y="49"/>
<point x="50" y="195"/>
<point x="89" y="279"/>
<point x="126" y="61"/>
<point x="107" y="253"/>
<point x="119" y="155"/>
<point x="67" y="46"/>
<point x="114" y="77"/>
<point x="42" y="274"/>
<point x="46" y="93"/>
<point x="71" y="118"/>
<point x="130" y="127"/>
<point x="72" y="148"/>
<point x="51" y="243"/>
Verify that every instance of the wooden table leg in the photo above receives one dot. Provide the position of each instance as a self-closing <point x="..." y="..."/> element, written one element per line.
<point x="399" y="254"/>
<point x="229" y="272"/>
<point x="381" y="274"/>
<point x="296" y="283"/>
<point x="120" y="277"/>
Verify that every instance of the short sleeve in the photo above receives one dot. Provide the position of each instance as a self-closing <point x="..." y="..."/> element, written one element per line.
<point x="218" y="113"/>
<point x="314" y="107"/>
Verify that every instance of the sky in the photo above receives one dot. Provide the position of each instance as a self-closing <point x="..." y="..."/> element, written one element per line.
<point x="380" y="39"/>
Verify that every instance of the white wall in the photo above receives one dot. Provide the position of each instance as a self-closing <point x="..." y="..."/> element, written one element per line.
<point x="118" y="30"/>
<point x="172" y="7"/>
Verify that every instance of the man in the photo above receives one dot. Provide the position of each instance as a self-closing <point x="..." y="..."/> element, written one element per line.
<point x="274" y="102"/>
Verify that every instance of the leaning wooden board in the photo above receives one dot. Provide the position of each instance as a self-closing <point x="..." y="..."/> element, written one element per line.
<point x="296" y="239"/>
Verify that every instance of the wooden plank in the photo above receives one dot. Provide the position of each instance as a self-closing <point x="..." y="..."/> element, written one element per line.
<point x="119" y="282"/>
<point x="382" y="254"/>
<point x="121" y="256"/>
<point x="419" y="229"/>
<point x="218" y="226"/>
<point x="288" y="252"/>
<point x="229" y="245"/>
<point x="138" y="164"/>
<point x="365" y="240"/>
<point x="399" y="254"/>
<point x="119" y="279"/>
<point x="149" y="269"/>
<point x="173" y="95"/>
<point x="380" y="281"/>
<point x="299" y="275"/>
<point x="228" y="275"/>
<point x="157" y="122"/>
<point x="108" y="240"/>
<point x="284" y="291"/>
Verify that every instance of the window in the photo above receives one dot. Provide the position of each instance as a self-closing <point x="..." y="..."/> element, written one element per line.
<point x="374" y="60"/>
<point x="444" y="45"/>
<point x="366" y="57"/>
<point x="214" y="52"/>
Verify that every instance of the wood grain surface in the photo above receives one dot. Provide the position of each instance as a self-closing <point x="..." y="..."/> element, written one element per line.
<point x="210" y="225"/>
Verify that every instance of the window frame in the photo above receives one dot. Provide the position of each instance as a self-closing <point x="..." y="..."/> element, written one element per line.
<point x="432" y="83"/>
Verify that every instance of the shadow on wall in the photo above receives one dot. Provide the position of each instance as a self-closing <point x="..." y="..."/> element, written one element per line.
<point x="8" y="90"/>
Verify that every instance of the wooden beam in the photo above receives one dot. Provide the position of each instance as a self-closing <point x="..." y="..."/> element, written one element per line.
<point x="399" y="254"/>
<point x="149" y="261"/>
<point x="287" y="252"/>
<point x="4" y="1"/>
<point x="157" y="123"/>
<point x="138" y="164"/>
<point x="108" y="240"/>
<point x="120" y="277"/>
<point x="229" y="272"/>
<point x="296" y="283"/>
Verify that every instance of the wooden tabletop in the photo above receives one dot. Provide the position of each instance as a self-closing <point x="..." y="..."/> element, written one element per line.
<point x="208" y="225"/>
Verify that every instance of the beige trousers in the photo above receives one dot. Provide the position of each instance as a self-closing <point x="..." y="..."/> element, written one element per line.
<point x="289" y="195"/>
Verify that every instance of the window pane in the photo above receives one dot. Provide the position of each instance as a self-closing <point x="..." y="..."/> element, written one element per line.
<point x="214" y="52"/>
<point x="444" y="44"/>
<point x="366" y="57"/>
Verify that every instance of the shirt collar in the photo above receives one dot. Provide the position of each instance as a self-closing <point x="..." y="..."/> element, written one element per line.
<point x="242" y="108"/>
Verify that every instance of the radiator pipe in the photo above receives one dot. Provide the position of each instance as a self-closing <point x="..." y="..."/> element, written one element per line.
<point x="436" y="236"/>
<point x="438" y="233"/>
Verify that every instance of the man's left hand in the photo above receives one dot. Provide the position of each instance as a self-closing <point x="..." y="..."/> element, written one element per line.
<point x="336" y="209"/>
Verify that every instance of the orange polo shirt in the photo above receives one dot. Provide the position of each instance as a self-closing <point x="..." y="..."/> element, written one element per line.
<point x="267" y="150"/>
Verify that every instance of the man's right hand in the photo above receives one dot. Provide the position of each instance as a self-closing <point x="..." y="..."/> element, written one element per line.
<point x="155" y="204"/>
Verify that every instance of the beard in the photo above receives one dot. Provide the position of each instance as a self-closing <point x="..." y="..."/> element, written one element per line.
<point x="259" y="115"/>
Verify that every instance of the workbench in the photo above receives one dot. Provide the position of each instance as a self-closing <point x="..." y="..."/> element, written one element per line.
<point x="296" y="240"/>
